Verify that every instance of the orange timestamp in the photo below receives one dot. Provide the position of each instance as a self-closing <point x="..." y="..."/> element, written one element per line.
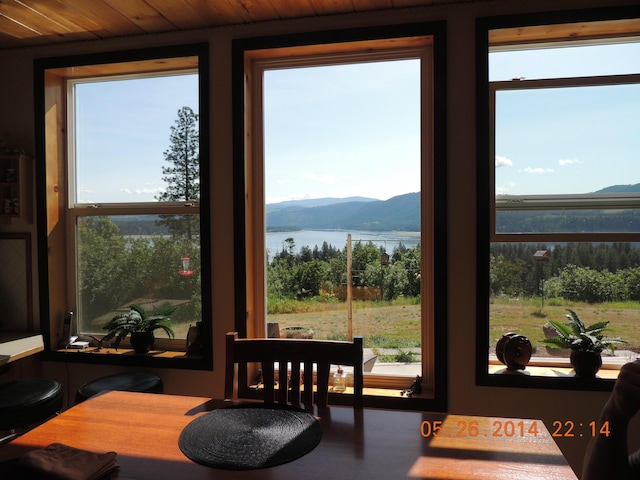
<point x="569" y="428"/>
<point x="513" y="428"/>
<point x="472" y="428"/>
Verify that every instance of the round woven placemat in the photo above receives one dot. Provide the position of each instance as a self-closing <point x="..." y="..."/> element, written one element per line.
<point x="249" y="437"/>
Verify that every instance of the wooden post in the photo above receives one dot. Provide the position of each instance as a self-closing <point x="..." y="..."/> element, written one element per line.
<point x="349" y="293"/>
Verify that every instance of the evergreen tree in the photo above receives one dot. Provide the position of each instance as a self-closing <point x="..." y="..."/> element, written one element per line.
<point x="183" y="174"/>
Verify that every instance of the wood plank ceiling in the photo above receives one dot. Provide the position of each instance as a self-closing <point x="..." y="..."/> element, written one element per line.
<point x="42" y="22"/>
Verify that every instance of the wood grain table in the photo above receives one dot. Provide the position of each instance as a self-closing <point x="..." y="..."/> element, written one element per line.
<point x="370" y="444"/>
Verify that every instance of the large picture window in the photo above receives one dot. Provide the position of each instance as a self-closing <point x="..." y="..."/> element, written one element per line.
<point x="339" y="182"/>
<point x="562" y="222"/>
<point x="126" y="192"/>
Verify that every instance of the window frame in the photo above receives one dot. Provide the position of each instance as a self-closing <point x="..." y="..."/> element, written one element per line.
<point x="57" y="214"/>
<point x="512" y="30"/>
<point x="249" y="55"/>
<point x="557" y="201"/>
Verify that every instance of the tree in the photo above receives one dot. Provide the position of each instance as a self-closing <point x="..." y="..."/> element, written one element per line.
<point x="183" y="175"/>
<point x="102" y="257"/>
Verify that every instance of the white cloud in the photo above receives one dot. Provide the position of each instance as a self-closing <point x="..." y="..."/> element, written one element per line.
<point x="503" y="162"/>
<point x="504" y="189"/>
<point x="564" y="162"/>
<point x="539" y="170"/>
<point x="146" y="190"/>
<point x="125" y="190"/>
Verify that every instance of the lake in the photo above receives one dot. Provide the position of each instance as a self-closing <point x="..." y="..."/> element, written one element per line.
<point x="275" y="241"/>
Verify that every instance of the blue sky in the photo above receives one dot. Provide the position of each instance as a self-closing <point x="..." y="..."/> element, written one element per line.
<point x="354" y="129"/>
<point x="123" y="129"/>
<point x="569" y="140"/>
<point x="340" y="131"/>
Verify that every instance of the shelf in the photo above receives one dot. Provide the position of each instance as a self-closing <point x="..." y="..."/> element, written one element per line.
<point x="16" y="190"/>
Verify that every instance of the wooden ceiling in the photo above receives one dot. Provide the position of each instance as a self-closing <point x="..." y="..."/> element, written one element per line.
<point x="42" y="22"/>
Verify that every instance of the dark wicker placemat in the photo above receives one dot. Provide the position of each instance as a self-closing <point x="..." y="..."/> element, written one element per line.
<point x="250" y="436"/>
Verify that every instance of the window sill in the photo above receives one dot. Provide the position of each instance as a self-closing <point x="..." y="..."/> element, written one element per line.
<point x="126" y="356"/>
<point x="559" y="367"/>
<point x="549" y="373"/>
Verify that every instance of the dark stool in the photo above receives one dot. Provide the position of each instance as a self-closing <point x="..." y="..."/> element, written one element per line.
<point x="27" y="402"/>
<point x="128" y="382"/>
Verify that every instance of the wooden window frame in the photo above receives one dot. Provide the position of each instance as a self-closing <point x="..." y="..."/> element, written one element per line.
<point x="56" y="216"/>
<point x="252" y="55"/>
<point x="549" y="28"/>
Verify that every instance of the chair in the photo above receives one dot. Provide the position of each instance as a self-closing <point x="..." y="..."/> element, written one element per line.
<point x="28" y="402"/>
<point x="289" y="354"/>
<point x="128" y="382"/>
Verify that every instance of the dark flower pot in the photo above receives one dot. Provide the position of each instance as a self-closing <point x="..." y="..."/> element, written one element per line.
<point x="142" y="342"/>
<point x="586" y="364"/>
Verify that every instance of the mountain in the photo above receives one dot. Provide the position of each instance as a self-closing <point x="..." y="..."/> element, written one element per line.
<point x="356" y="213"/>
<point x="621" y="189"/>
<point x="317" y="202"/>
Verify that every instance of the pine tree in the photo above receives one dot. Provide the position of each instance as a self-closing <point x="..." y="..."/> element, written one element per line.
<point x="183" y="175"/>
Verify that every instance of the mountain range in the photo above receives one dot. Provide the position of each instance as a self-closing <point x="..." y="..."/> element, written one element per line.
<point x="621" y="189"/>
<point x="401" y="213"/>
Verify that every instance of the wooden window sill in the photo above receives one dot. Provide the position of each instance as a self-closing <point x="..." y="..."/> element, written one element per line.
<point x="127" y="357"/>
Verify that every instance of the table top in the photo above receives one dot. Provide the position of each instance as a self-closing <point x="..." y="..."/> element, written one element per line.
<point x="143" y="429"/>
<point x="17" y="345"/>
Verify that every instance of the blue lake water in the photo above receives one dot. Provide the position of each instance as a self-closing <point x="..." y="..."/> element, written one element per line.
<point x="275" y="241"/>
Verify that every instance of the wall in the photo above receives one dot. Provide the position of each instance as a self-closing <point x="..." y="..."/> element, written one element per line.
<point x="17" y="125"/>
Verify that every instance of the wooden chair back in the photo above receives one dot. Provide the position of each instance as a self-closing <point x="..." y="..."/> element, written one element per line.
<point x="290" y="354"/>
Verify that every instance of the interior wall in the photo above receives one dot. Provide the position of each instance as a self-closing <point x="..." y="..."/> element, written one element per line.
<point x="17" y="128"/>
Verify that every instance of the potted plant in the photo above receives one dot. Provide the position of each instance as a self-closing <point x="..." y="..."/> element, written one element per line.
<point x="586" y="343"/>
<point x="141" y="325"/>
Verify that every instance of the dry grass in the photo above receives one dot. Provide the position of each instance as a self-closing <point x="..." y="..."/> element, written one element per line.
<point x="526" y="318"/>
<point x="398" y="326"/>
<point x="392" y="326"/>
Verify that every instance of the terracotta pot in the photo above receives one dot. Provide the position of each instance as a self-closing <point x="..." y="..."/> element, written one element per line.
<point x="142" y="342"/>
<point x="585" y="364"/>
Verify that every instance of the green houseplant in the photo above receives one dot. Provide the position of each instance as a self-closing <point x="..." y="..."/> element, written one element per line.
<point x="141" y="325"/>
<point x="586" y="343"/>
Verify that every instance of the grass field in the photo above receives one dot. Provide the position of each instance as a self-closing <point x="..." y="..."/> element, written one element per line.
<point x="397" y="325"/>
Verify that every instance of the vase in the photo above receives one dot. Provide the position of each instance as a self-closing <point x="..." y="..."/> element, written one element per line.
<point x="585" y="364"/>
<point x="142" y="342"/>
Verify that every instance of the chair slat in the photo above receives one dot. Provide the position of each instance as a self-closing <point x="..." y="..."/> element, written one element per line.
<point x="283" y="383"/>
<point x="289" y="354"/>
<point x="268" y="379"/>
<point x="295" y="384"/>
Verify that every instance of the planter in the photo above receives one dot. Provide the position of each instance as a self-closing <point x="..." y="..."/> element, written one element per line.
<point x="142" y="342"/>
<point x="585" y="364"/>
<point x="296" y="332"/>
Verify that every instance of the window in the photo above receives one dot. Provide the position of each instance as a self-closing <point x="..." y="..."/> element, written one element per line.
<point x="124" y="202"/>
<point x="295" y="172"/>
<point x="560" y="228"/>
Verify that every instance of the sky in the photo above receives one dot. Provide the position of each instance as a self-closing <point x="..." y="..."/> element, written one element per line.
<point x="567" y="140"/>
<point x="123" y="130"/>
<point x="353" y="130"/>
<point x="340" y="131"/>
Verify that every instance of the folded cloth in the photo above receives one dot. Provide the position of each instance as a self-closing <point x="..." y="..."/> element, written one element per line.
<point x="62" y="462"/>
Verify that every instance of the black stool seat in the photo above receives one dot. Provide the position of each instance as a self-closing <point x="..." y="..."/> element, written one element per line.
<point x="28" y="401"/>
<point x="128" y="382"/>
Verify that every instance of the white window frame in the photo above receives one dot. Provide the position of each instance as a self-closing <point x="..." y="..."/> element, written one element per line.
<point x="557" y="201"/>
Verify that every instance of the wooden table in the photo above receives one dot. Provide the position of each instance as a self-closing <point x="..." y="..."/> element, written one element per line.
<point x="15" y="345"/>
<point x="368" y="444"/>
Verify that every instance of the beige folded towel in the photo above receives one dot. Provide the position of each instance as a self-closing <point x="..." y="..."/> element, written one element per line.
<point x="63" y="462"/>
